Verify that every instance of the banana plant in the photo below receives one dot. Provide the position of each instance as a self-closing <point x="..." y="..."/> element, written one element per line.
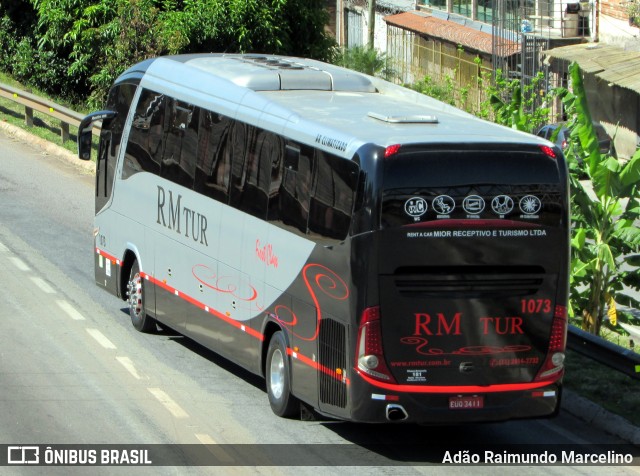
<point x="605" y="201"/>
<point x="516" y="105"/>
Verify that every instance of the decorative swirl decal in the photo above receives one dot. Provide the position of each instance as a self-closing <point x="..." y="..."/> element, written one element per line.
<point x="278" y="315"/>
<point x="316" y="277"/>
<point x="242" y="290"/>
<point x="421" y="342"/>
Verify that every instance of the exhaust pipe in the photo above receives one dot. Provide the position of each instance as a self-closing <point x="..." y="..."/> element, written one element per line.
<point x="396" y="412"/>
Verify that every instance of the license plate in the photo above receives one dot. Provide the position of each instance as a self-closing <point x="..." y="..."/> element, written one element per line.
<point x="467" y="402"/>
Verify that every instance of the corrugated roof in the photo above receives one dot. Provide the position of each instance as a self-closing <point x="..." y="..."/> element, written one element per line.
<point x="450" y="31"/>
<point x="610" y="63"/>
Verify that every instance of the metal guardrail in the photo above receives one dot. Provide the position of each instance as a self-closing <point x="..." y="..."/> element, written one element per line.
<point x="601" y="350"/>
<point x="596" y="348"/>
<point x="31" y="103"/>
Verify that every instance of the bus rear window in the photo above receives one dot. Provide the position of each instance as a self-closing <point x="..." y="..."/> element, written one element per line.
<point x="429" y="185"/>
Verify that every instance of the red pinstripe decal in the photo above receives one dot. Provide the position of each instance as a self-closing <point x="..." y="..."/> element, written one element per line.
<point x="508" y="387"/>
<point x="311" y="363"/>
<point x="318" y="367"/>
<point x="111" y="258"/>
<point x="237" y="324"/>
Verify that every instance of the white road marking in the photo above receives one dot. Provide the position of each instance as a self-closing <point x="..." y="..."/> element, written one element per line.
<point x="101" y="339"/>
<point x="42" y="284"/>
<point x="205" y="439"/>
<point x="221" y="455"/>
<point x="168" y="403"/>
<point x="18" y="263"/>
<point x="127" y="363"/>
<point x="70" y="310"/>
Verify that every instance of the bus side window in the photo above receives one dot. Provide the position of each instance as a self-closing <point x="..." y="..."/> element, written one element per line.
<point x="276" y="171"/>
<point x="332" y="199"/>
<point x="293" y="197"/>
<point x="120" y="98"/>
<point x="268" y="149"/>
<point x="213" y="165"/>
<point x="239" y="142"/>
<point x="144" y="148"/>
<point x="180" y="143"/>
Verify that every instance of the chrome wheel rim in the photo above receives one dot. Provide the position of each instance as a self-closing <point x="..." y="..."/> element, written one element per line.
<point x="134" y="289"/>
<point x="276" y="374"/>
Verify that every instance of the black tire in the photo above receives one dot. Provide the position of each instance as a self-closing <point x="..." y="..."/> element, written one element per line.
<point x="136" y="299"/>
<point x="278" y="374"/>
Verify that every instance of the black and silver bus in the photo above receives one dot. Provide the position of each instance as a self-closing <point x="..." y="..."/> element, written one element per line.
<point x="372" y="252"/>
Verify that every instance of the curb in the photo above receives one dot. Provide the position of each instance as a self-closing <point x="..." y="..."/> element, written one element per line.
<point x="47" y="148"/>
<point x="572" y="403"/>
<point x="595" y="415"/>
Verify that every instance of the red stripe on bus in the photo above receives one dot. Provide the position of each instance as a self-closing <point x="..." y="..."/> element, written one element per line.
<point x="237" y="324"/>
<point x="252" y="332"/>
<point x="507" y="387"/>
<point x="311" y="363"/>
<point x="111" y="258"/>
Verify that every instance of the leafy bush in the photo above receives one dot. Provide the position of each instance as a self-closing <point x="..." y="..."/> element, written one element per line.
<point x="605" y="207"/>
<point x="365" y="60"/>
<point x="78" y="47"/>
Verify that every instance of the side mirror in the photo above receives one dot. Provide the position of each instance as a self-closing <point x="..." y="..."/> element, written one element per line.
<point x="85" y="131"/>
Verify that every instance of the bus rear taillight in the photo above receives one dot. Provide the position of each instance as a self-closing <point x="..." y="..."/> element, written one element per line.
<point x="369" y="353"/>
<point x="554" y="363"/>
<point x="391" y="150"/>
<point x="549" y="152"/>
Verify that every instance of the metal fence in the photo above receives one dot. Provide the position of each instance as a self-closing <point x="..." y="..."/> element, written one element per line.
<point x="414" y="58"/>
<point x="32" y="103"/>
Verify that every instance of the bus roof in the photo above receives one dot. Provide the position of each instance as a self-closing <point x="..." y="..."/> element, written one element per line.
<point x="325" y="105"/>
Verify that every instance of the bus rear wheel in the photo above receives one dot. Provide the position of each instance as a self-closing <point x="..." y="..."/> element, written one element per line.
<point x="278" y="374"/>
<point x="136" y="298"/>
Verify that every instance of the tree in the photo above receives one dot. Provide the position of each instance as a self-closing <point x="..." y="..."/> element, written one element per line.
<point x="365" y="60"/>
<point x="515" y="105"/>
<point x="81" y="46"/>
<point x="605" y="201"/>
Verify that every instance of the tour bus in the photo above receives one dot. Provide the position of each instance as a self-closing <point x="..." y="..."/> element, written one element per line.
<point x="375" y="254"/>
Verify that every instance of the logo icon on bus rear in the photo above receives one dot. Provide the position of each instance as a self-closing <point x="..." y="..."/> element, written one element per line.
<point x="530" y="204"/>
<point x="415" y="207"/>
<point x="473" y="204"/>
<point x="443" y="204"/>
<point x="502" y="205"/>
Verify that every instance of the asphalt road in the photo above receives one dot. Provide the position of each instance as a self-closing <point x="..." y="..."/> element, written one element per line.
<point x="73" y="370"/>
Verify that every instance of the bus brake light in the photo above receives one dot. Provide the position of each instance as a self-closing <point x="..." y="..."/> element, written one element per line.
<point x="369" y="353"/>
<point x="554" y="363"/>
<point x="391" y="150"/>
<point x="549" y="152"/>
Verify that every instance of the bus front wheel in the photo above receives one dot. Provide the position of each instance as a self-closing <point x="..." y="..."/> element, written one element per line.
<point x="278" y="375"/>
<point x="135" y="297"/>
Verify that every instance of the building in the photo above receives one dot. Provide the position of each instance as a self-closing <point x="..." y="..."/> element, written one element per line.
<point x="461" y="41"/>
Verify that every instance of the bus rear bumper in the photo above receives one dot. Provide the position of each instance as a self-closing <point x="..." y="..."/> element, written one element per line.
<point x="443" y="408"/>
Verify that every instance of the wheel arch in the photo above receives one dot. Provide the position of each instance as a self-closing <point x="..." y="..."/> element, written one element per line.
<point x="130" y="257"/>
<point x="270" y="328"/>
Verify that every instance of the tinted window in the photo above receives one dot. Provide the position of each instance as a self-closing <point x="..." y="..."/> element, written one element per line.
<point x="334" y="188"/>
<point x="290" y="202"/>
<point x="214" y="158"/>
<point x="180" y="143"/>
<point x="145" y="145"/>
<point x="119" y="100"/>
<point x="422" y="186"/>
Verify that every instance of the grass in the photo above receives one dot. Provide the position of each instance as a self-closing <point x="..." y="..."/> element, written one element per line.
<point x="612" y="390"/>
